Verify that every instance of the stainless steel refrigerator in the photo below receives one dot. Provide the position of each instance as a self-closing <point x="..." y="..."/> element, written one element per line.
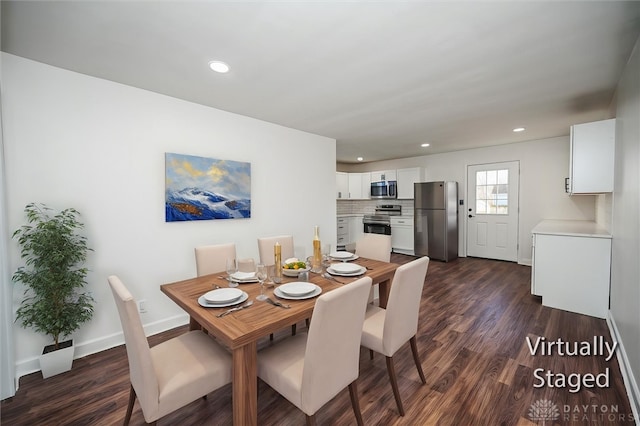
<point x="436" y="220"/>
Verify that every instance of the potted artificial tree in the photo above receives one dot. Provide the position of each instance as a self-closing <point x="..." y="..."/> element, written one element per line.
<point x="54" y="277"/>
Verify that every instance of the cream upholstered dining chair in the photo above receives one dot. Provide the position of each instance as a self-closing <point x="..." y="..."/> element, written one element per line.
<point x="309" y="369"/>
<point x="386" y="330"/>
<point x="265" y="248"/>
<point x="213" y="258"/>
<point x="376" y="247"/>
<point x="173" y="373"/>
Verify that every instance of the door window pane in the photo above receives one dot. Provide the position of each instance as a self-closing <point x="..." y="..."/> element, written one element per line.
<point x="492" y="192"/>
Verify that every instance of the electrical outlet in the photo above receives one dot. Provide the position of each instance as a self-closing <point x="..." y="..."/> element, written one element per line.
<point x="142" y="306"/>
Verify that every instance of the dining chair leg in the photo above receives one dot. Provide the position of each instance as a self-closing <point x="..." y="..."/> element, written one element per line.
<point x="311" y="420"/>
<point x="355" y="402"/>
<point x="416" y="359"/>
<point x="394" y="384"/>
<point x="293" y="330"/>
<point x="132" y="400"/>
<point x="370" y="354"/>
<point x="307" y="322"/>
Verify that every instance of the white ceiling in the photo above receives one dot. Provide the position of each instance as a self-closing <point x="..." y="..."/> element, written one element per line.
<point x="379" y="77"/>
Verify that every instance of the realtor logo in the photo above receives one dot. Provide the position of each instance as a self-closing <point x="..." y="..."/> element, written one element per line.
<point x="544" y="410"/>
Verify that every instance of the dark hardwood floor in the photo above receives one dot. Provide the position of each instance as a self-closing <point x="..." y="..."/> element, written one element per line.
<point x="474" y="320"/>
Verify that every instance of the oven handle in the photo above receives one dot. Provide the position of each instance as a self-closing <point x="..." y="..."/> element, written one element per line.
<point x="374" y="222"/>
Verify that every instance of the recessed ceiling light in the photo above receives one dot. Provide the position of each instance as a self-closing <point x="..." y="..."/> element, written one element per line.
<point x="519" y="129"/>
<point x="424" y="145"/>
<point x="360" y="159"/>
<point x="219" y="66"/>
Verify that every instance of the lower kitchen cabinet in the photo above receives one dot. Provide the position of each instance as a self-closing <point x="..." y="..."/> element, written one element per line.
<point x="571" y="266"/>
<point x="342" y="232"/>
<point x="402" y="234"/>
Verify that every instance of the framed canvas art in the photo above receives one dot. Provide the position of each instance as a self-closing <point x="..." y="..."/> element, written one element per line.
<point x="200" y="188"/>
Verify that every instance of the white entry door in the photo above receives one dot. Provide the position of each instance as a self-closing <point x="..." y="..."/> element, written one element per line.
<point x="492" y="210"/>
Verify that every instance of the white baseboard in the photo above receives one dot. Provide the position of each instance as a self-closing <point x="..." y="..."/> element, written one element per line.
<point x="93" y="346"/>
<point x="625" y="367"/>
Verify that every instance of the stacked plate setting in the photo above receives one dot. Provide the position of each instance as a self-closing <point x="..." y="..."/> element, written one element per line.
<point x="244" y="277"/>
<point x="297" y="290"/>
<point x="346" y="269"/>
<point x="222" y="297"/>
<point x="343" y="256"/>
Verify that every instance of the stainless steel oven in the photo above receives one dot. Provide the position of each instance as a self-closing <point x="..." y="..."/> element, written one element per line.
<point x="377" y="228"/>
<point x="380" y="222"/>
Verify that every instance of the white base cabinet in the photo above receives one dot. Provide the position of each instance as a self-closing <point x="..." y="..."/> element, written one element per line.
<point x="402" y="234"/>
<point x="571" y="266"/>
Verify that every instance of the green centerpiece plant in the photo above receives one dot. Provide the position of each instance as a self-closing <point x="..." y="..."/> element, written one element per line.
<point x="54" y="274"/>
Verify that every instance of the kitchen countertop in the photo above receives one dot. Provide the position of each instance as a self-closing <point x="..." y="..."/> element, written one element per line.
<point x="575" y="228"/>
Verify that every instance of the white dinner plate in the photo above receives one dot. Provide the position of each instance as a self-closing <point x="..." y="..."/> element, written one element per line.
<point x="345" y="268"/>
<point x="341" y="255"/>
<point x="203" y="302"/>
<point x="360" y="271"/>
<point x="298" y="288"/>
<point x="223" y="295"/>
<point x="282" y="295"/>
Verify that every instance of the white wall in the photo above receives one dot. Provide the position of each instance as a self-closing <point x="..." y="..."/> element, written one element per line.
<point x="544" y="164"/>
<point x="625" y="268"/>
<point x="76" y="141"/>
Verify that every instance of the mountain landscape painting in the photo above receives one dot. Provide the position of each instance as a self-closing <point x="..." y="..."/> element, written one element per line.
<point x="200" y="188"/>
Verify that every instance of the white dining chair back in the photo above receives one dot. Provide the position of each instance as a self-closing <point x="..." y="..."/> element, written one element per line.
<point x="173" y="373"/>
<point x="266" y="244"/>
<point x="374" y="246"/>
<point x="403" y="306"/>
<point x="386" y="330"/>
<point x="309" y="369"/>
<point x="213" y="258"/>
<point x="333" y="348"/>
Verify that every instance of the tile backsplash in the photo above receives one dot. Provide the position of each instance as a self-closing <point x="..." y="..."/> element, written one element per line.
<point x="369" y="206"/>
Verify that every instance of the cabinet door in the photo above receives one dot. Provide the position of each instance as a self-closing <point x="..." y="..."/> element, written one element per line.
<point x="356" y="228"/>
<point x="366" y="185"/>
<point x="357" y="185"/>
<point x="406" y="179"/>
<point x="572" y="273"/>
<point x="342" y="185"/>
<point x="592" y="152"/>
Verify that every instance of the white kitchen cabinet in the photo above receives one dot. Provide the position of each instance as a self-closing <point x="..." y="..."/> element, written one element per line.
<point x="402" y="234"/>
<point x="342" y="185"/>
<point x="592" y="154"/>
<point x="356" y="228"/>
<point x="359" y="186"/>
<point x="381" y="175"/>
<point x="571" y="266"/>
<point x="406" y="179"/>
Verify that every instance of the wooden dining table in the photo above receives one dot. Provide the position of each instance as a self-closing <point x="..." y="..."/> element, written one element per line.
<point x="241" y="330"/>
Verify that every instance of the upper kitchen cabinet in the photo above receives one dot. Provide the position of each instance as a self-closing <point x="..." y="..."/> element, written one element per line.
<point x="383" y="175"/>
<point x="353" y="186"/>
<point x="592" y="152"/>
<point x="359" y="186"/>
<point x="406" y="179"/>
<point x="342" y="185"/>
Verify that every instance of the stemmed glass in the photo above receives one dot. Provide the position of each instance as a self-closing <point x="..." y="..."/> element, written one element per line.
<point x="261" y="275"/>
<point x="232" y="268"/>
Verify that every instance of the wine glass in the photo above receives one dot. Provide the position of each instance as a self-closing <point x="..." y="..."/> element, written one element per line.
<point x="232" y="268"/>
<point x="261" y="275"/>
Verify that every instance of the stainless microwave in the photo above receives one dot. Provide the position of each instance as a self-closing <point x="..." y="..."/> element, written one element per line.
<point x="384" y="189"/>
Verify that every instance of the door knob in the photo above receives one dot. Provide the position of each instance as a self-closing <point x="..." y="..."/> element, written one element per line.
<point x="470" y="215"/>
